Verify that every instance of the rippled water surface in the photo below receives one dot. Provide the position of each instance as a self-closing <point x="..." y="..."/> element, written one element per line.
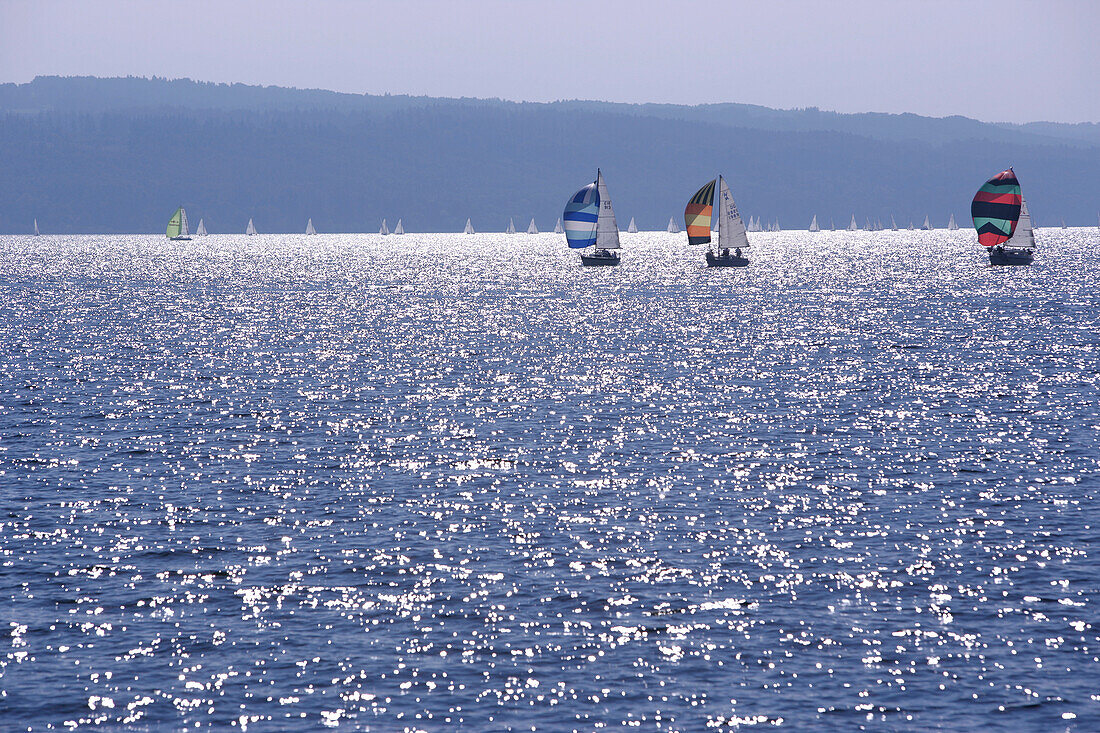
<point x="441" y="481"/>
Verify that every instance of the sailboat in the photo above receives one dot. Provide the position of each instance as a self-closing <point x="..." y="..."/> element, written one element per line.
<point x="951" y="225"/>
<point x="1002" y="220"/>
<point x="309" y="227"/>
<point x="383" y="230"/>
<point x="177" y="226"/>
<point x="893" y="224"/>
<point x="200" y="230"/>
<point x="813" y="225"/>
<point x="926" y="226"/>
<point x="1063" y="223"/>
<point x="469" y="228"/>
<point x="632" y="227"/>
<point x="558" y="228"/>
<point x="590" y="222"/>
<point x="832" y="225"/>
<point x="777" y="227"/>
<point x="531" y="228"/>
<point x="673" y="227"/>
<point x="910" y="227"/>
<point x="399" y="229"/>
<point x="730" y="234"/>
<point x="251" y="229"/>
<point x="37" y="233"/>
<point x="511" y="227"/>
<point x="853" y="226"/>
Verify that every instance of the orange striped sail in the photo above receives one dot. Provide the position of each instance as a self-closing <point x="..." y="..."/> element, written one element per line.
<point x="697" y="215"/>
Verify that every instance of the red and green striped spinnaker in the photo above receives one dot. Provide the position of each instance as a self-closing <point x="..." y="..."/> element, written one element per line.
<point x="698" y="213"/>
<point x="996" y="209"/>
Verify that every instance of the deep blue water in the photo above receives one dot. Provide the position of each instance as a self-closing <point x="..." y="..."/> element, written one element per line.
<point x="435" y="482"/>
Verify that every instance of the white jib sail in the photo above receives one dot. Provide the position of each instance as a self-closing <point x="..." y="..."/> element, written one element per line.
<point x="607" y="229"/>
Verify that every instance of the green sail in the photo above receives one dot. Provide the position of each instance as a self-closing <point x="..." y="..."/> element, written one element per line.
<point x="174" y="225"/>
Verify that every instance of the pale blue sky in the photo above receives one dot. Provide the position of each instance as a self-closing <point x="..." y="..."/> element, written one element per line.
<point x="1003" y="60"/>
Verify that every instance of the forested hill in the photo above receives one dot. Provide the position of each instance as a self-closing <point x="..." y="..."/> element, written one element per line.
<point x="118" y="155"/>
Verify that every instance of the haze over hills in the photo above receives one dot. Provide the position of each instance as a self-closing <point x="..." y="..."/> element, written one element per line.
<point x="118" y="155"/>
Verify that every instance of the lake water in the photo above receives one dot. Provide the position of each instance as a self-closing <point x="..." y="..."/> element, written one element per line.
<point x="443" y="481"/>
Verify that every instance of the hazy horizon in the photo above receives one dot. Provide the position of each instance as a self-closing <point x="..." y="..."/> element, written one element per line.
<point x="990" y="61"/>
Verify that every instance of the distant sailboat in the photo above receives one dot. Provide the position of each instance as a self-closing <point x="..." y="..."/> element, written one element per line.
<point x="590" y="222"/>
<point x="177" y="226"/>
<point x="200" y="230"/>
<point x="384" y="230"/>
<point x="531" y="228"/>
<point x="37" y="233"/>
<point x="511" y="227"/>
<point x="251" y="229"/>
<point x="813" y="225"/>
<point x="1002" y="221"/>
<point x="951" y="225"/>
<point x="399" y="229"/>
<point x="309" y="227"/>
<point x="469" y="228"/>
<point x="893" y="224"/>
<point x="632" y="227"/>
<point x="926" y="226"/>
<point x="730" y="234"/>
<point x="777" y="227"/>
<point x="910" y="227"/>
<point x="673" y="227"/>
<point x="853" y="226"/>
<point x="558" y="228"/>
<point x="867" y="226"/>
<point x="1063" y="223"/>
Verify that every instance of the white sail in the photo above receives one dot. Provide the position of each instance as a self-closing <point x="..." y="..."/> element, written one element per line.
<point x="531" y="228"/>
<point x="673" y="227"/>
<point x="469" y="227"/>
<point x="813" y="225"/>
<point x="200" y="230"/>
<point x="951" y="225"/>
<point x="731" y="229"/>
<point x="184" y="230"/>
<point x="511" y="227"/>
<point x="558" y="229"/>
<point x="309" y="227"/>
<point x="1024" y="236"/>
<point x="607" y="229"/>
<point x="632" y="227"/>
<point x="1063" y="223"/>
<point x="36" y="233"/>
<point x="893" y="224"/>
<point x="384" y="230"/>
<point x="926" y="224"/>
<point x="251" y="228"/>
<point x="853" y="226"/>
<point x="399" y="229"/>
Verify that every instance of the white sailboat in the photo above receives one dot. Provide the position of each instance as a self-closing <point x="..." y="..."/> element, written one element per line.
<point x="951" y="225"/>
<point x="893" y="224"/>
<point x="558" y="228"/>
<point x="813" y="225"/>
<point x="853" y="226"/>
<point x="926" y="226"/>
<point x="511" y="227"/>
<point x="251" y="229"/>
<point x="309" y="227"/>
<point x="36" y="232"/>
<point x="469" y="228"/>
<point x="200" y="230"/>
<point x="730" y="233"/>
<point x="383" y="230"/>
<point x="632" y="227"/>
<point x="910" y="227"/>
<point x="590" y="222"/>
<point x="531" y="228"/>
<point x="399" y="229"/>
<point x="673" y="227"/>
<point x="1063" y="223"/>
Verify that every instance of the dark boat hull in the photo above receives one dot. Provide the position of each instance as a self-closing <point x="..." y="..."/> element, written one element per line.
<point x="716" y="260"/>
<point x="601" y="258"/>
<point x="180" y="239"/>
<point x="1002" y="256"/>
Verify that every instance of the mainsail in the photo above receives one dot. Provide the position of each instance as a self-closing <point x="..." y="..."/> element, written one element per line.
<point x="309" y="227"/>
<point x="731" y="229"/>
<point x="581" y="216"/>
<point x="251" y="229"/>
<point x="1025" y="233"/>
<point x="697" y="214"/>
<point x="951" y="225"/>
<point x="673" y="227"/>
<point x="384" y="230"/>
<point x="926" y="225"/>
<point x="893" y="224"/>
<point x="853" y="226"/>
<point x="558" y="227"/>
<point x="200" y="230"/>
<point x="177" y="225"/>
<point x="531" y="228"/>
<point x="511" y="227"/>
<point x="607" y="229"/>
<point x="813" y="225"/>
<point x="399" y="229"/>
<point x="36" y="233"/>
<point x="996" y="209"/>
<point x="632" y="227"/>
<point x="469" y="228"/>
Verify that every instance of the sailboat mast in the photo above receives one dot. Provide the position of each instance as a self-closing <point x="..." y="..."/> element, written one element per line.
<point x="721" y="211"/>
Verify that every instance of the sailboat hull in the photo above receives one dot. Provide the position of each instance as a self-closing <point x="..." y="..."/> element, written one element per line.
<point x="180" y="239"/>
<point x="601" y="258"/>
<point x="731" y="260"/>
<point x="1003" y="256"/>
